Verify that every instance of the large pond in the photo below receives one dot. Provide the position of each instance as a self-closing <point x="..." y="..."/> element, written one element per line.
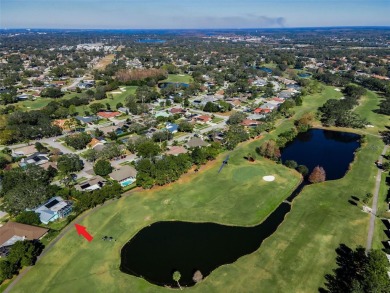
<point x="158" y="250"/>
<point x="332" y="150"/>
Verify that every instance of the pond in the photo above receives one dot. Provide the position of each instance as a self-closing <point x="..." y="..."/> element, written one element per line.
<point x="158" y="250"/>
<point x="265" y="69"/>
<point x="332" y="150"/>
<point x="176" y="84"/>
<point x="304" y="75"/>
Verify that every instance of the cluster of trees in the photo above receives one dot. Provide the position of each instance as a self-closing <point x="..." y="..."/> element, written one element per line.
<point x="300" y="168"/>
<point x="304" y="123"/>
<point x="26" y="188"/>
<point x="109" y="152"/>
<point x="144" y="147"/>
<point x="236" y="118"/>
<point x="21" y="126"/>
<point x="169" y="168"/>
<point x="102" y="168"/>
<point x="90" y="199"/>
<point x="52" y="92"/>
<point x="270" y="150"/>
<point x="235" y="135"/>
<point x="222" y="106"/>
<point x="78" y="141"/>
<point x="339" y="112"/>
<point x="286" y="136"/>
<point x="22" y="253"/>
<point x="69" y="163"/>
<point x="127" y="76"/>
<point x="28" y="217"/>
<point x="358" y="272"/>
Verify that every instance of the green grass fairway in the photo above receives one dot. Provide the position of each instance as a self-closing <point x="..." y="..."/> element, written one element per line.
<point x="185" y="78"/>
<point x="112" y="99"/>
<point x="368" y="104"/>
<point x="236" y="196"/>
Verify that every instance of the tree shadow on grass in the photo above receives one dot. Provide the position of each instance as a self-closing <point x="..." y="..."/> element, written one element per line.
<point x="348" y="261"/>
<point x="354" y="203"/>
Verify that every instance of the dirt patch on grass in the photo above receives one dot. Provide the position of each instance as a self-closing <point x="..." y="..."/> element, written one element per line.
<point x="102" y="64"/>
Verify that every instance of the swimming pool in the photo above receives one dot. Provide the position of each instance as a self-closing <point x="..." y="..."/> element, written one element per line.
<point x="127" y="182"/>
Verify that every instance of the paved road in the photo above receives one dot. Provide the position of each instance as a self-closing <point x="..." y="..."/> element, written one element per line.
<point x="73" y="85"/>
<point x="375" y="203"/>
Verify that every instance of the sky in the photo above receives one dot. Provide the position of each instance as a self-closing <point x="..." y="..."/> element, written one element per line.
<point x="191" y="14"/>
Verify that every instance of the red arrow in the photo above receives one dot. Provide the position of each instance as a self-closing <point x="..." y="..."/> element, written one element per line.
<point x="81" y="230"/>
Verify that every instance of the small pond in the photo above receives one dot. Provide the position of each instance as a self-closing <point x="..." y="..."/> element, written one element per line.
<point x="304" y="75"/>
<point x="158" y="250"/>
<point x="176" y="84"/>
<point x="265" y="69"/>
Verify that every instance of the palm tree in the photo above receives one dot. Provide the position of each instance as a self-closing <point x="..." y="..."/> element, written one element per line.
<point x="176" y="277"/>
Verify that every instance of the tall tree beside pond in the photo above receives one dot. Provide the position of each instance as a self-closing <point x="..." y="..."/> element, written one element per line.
<point x="176" y="277"/>
<point x="318" y="175"/>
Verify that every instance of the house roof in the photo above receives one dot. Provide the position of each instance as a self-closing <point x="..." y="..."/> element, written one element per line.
<point x="177" y="110"/>
<point x="11" y="229"/>
<point x="26" y="151"/>
<point x="204" y="118"/>
<point x="123" y="173"/>
<point x="172" y="127"/>
<point x="49" y="209"/>
<point x="90" y="183"/>
<point x="108" y="114"/>
<point x="196" y="142"/>
<point x="87" y="119"/>
<point x="94" y="142"/>
<point x="249" y="122"/>
<point x="176" y="150"/>
<point x="60" y="122"/>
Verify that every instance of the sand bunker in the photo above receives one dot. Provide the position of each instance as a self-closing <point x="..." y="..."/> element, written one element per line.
<point x="269" y="178"/>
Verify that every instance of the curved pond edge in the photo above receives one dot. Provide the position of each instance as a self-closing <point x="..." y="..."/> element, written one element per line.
<point x="299" y="187"/>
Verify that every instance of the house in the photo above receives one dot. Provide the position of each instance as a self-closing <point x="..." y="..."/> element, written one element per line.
<point x="12" y="232"/>
<point x="94" y="142"/>
<point x="24" y="151"/>
<point x="177" y="111"/>
<point x="23" y="97"/>
<point x="250" y="123"/>
<point x="93" y="183"/>
<point x="196" y="142"/>
<point x="55" y="208"/>
<point x="108" y="115"/>
<point x="161" y="114"/>
<point x="285" y="94"/>
<point x="172" y="127"/>
<point x="85" y="85"/>
<point x="87" y="119"/>
<point x="262" y="111"/>
<point x="203" y="118"/>
<point x="124" y="110"/>
<point x="125" y="175"/>
<point x="176" y="150"/>
<point x="36" y="159"/>
<point x="61" y="123"/>
<point x="108" y="129"/>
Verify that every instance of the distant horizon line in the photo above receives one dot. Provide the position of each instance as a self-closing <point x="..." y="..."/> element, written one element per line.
<point x="199" y="29"/>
